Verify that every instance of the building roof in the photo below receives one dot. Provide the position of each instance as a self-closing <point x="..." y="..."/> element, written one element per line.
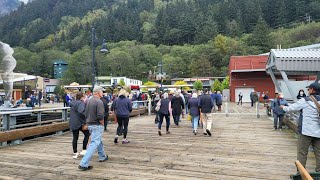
<point x="247" y="63"/>
<point x="196" y="78"/>
<point x="312" y="46"/>
<point x="301" y="54"/>
<point x="60" y="61"/>
<point x="20" y="77"/>
<point x="295" y="61"/>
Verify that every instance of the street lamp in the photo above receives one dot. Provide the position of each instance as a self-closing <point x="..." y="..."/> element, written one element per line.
<point x="103" y="50"/>
<point x="160" y="65"/>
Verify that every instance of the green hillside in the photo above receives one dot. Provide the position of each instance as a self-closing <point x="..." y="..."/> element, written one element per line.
<point x="193" y="37"/>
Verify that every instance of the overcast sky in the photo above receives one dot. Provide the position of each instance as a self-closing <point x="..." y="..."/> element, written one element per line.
<point x="25" y="1"/>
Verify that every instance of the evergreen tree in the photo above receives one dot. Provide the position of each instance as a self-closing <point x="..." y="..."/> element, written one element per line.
<point x="260" y="36"/>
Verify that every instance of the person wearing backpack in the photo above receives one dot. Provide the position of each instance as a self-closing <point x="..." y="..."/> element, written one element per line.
<point x="309" y="124"/>
<point x="278" y="113"/>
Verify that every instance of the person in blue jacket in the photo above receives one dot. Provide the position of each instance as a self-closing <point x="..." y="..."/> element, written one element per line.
<point x="278" y="113"/>
<point x="122" y="108"/>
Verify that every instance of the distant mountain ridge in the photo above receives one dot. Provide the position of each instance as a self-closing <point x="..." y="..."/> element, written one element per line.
<point x="6" y="6"/>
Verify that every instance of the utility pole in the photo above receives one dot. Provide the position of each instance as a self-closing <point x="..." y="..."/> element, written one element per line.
<point x="308" y="18"/>
<point x="93" y="58"/>
<point x="161" y="73"/>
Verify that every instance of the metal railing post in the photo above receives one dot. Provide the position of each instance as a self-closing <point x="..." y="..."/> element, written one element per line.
<point x="149" y="107"/>
<point x="39" y="118"/>
<point x="227" y="107"/>
<point x="257" y="109"/>
<point x="64" y="114"/>
<point x="6" y="122"/>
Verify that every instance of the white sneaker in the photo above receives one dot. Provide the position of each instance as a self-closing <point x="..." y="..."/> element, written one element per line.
<point x="83" y="152"/>
<point x="75" y="155"/>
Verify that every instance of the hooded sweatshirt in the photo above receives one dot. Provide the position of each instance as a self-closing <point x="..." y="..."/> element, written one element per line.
<point x="77" y="117"/>
<point x="122" y="106"/>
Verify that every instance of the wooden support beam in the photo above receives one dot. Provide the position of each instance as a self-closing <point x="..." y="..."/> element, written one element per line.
<point x="303" y="172"/>
<point x="290" y="124"/>
<point x="32" y="131"/>
<point x="54" y="127"/>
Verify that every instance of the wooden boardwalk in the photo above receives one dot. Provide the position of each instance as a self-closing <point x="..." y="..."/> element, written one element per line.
<point x="242" y="147"/>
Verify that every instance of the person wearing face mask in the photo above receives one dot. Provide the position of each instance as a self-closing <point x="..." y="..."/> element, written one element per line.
<point x="278" y="113"/>
<point x="308" y="125"/>
<point x="301" y="94"/>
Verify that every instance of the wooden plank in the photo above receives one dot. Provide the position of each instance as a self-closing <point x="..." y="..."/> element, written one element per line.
<point x="242" y="147"/>
<point x="32" y="131"/>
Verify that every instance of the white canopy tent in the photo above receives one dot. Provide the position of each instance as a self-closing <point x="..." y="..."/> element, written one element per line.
<point x="19" y="77"/>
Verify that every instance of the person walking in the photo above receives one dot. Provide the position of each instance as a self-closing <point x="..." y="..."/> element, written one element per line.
<point x="213" y="96"/>
<point x="177" y="105"/>
<point x="184" y="102"/>
<point x="64" y="98"/>
<point x="105" y="101"/>
<point x="165" y="111"/>
<point x="219" y="100"/>
<point x="278" y="113"/>
<point x="240" y="98"/>
<point x="193" y="105"/>
<point x="156" y="100"/>
<point x="254" y="98"/>
<point x="76" y="124"/>
<point x="40" y="98"/>
<point x="94" y="118"/>
<point x="308" y="125"/>
<point x="206" y="104"/>
<point x="265" y="98"/>
<point x="122" y="108"/>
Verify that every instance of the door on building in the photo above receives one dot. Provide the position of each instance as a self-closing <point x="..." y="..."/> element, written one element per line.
<point x="245" y="92"/>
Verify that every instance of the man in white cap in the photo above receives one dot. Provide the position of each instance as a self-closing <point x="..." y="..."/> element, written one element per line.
<point x="95" y="119"/>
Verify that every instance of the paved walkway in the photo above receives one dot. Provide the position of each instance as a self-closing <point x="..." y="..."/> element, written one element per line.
<point x="242" y="147"/>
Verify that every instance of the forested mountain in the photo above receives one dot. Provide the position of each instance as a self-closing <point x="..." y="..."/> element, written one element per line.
<point x="6" y="6"/>
<point x="193" y="37"/>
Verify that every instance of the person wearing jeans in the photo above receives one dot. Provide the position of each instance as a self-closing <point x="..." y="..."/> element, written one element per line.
<point x="278" y="113"/>
<point x="193" y="105"/>
<point x="95" y="119"/>
<point x="165" y="111"/>
<point x="95" y="144"/>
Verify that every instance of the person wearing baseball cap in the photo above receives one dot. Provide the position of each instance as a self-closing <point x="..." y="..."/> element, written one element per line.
<point x="315" y="86"/>
<point x="308" y="124"/>
<point x="95" y="120"/>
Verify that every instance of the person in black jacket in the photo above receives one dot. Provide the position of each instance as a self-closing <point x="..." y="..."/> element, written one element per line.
<point x="122" y="107"/>
<point x="77" y="119"/>
<point x="105" y="101"/>
<point x="165" y="111"/>
<point x="177" y="105"/>
<point x="206" y="105"/>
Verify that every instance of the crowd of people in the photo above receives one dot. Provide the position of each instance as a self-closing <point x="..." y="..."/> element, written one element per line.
<point x="197" y="105"/>
<point x="89" y="114"/>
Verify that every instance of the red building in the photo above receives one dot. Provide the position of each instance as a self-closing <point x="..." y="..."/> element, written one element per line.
<point x="248" y="73"/>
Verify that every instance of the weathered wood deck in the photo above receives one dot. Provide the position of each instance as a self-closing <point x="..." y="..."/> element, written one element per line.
<point x="242" y="147"/>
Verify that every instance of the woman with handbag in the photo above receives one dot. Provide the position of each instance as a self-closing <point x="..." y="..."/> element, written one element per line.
<point x="77" y="123"/>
